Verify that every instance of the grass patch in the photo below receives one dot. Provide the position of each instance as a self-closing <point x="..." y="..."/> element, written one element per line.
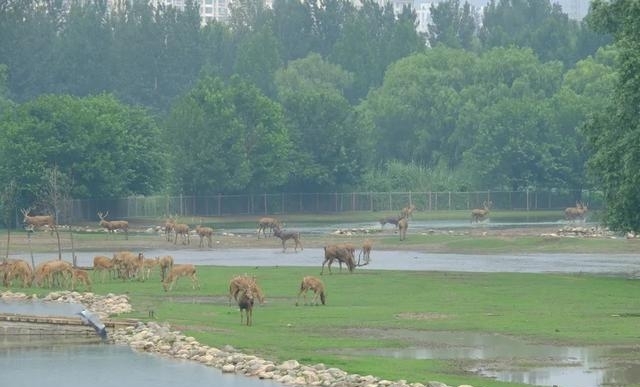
<point x="363" y="307"/>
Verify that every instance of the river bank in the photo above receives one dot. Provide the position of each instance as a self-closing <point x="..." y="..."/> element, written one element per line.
<point x="159" y="338"/>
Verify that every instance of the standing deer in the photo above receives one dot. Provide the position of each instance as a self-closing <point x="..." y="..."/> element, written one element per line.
<point x="408" y="211"/>
<point x="205" y="233"/>
<point x="181" y="229"/>
<point x="245" y="303"/>
<point x="186" y="270"/>
<point x="577" y="212"/>
<point x="403" y="225"/>
<point x="166" y="264"/>
<point x="241" y="282"/>
<point x="367" y="245"/>
<point x="113" y="225"/>
<point x="38" y="221"/>
<point x="286" y="235"/>
<point x="479" y="214"/>
<point x="268" y="223"/>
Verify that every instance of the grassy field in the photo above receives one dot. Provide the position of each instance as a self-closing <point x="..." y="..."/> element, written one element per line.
<point x="373" y="309"/>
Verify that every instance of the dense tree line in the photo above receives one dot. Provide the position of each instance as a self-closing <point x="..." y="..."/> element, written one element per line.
<point x="303" y="96"/>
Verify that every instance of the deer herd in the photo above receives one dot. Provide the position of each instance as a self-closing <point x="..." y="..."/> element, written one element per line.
<point x="244" y="290"/>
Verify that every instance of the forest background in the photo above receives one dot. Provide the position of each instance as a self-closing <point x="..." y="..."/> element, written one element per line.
<point x="136" y="99"/>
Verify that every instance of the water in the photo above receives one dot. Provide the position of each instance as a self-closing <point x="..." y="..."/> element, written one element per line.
<point x="104" y="365"/>
<point x="510" y="359"/>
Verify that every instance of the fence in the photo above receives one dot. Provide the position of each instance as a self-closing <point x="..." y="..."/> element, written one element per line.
<point x="283" y="203"/>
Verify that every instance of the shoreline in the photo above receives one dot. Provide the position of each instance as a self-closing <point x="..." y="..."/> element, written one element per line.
<point x="159" y="338"/>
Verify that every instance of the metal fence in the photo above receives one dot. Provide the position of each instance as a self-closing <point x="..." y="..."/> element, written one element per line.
<point x="288" y="203"/>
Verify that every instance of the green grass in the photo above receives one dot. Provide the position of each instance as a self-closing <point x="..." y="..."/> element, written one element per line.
<point x="547" y="308"/>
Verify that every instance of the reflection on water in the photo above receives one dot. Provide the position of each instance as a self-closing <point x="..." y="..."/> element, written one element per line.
<point x="510" y="360"/>
<point x="41" y="308"/>
<point x="103" y="365"/>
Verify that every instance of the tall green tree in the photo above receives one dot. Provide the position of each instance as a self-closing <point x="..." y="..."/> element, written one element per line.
<point x="227" y="138"/>
<point x="614" y="136"/>
<point x="453" y="25"/>
<point x="332" y="139"/>
<point x="104" y="147"/>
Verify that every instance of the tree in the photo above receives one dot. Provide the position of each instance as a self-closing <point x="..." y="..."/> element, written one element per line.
<point x="453" y="25"/>
<point x="614" y="136"/>
<point x="227" y="138"/>
<point x="105" y="148"/>
<point x="332" y="139"/>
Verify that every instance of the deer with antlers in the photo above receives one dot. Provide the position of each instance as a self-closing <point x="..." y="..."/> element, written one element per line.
<point x="38" y="221"/>
<point x="480" y="214"/>
<point x="113" y="225"/>
<point x="576" y="213"/>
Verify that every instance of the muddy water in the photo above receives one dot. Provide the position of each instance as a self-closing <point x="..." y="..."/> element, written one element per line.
<point x="529" y="363"/>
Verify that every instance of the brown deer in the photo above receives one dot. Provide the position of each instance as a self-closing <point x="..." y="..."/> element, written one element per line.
<point x="241" y="282"/>
<point x="480" y="214"/>
<point x="53" y="272"/>
<point x="113" y="225"/>
<point x="408" y="211"/>
<point x="403" y="225"/>
<point x="169" y="224"/>
<point x="339" y="253"/>
<point x="315" y="285"/>
<point x="128" y="264"/>
<point x="367" y="245"/>
<point x="268" y="223"/>
<point x="38" y="221"/>
<point x="82" y="276"/>
<point x="205" y="233"/>
<point x="182" y="230"/>
<point x="103" y="265"/>
<point x="147" y="265"/>
<point x="186" y="270"/>
<point x="166" y="264"/>
<point x="576" y="213"/>
<point x="245" y="303"/>
<point x="18" y="269"/>
<point x="286" y="235"/>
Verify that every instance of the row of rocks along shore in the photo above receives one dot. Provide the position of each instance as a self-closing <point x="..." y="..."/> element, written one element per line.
<point x="160" y="339"/>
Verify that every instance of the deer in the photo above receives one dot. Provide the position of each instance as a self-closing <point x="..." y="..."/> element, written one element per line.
<point x="38" y="221"/>
<point x="408" y="211"/>
<point x="128" y="264"/>
<point x="205" y="233"/>
<point x="147" y="265"/>
<point x="286" y="235"/>
<point x="339" y="253"/>
<point x="168" y="227"/>
<point x="181" y="229"/>
<point x="240" y="282"/>
<point x="403" y="225"/>
<point x="185" y="270"/>
<point x="367" y="245"/>
<point x="268" y="223"/>
<point x="479" y="214"/>
<point x="82" y="276"/>
<point x="49" y="272"/>
<point x="18" y="269"/>
<point x="166" y="264"/>
<point x="315" y="285"/>
<point x="113" y="225"/>
<point x="577" y="212"/>
<point x="245" y="303"/>
<point x="103" y="265"/>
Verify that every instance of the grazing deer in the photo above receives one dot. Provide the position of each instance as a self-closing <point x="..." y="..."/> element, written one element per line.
<point x="103" y="265"/>
<point x="38" y="221"/>
<point x="408" y="211"/>
<point x="147" y="265"/>
<point x="286" y="235"/>
<point x="166" y="264"/>
<point x="245" y="302"/>
<point x="403" y="225"/>
<point x="53" y="272"/>
<point x="241" y="282"/>
<point x="113" y="225"/>
<point x="205" y="233"/>
<point x="479" y="214"/>
<point x="268" y="223"/>
<point x="181" y="229"/>
<point x="577" y="212"/>
<point x="339" y="253"/>
<point x="314" y="284"/>
<point x="186" y="270"/>
<point x="18" y="269"/>
<point x="128" y="264"/>
<point x="391" y="220"/>
<point x="82" y="276"/>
